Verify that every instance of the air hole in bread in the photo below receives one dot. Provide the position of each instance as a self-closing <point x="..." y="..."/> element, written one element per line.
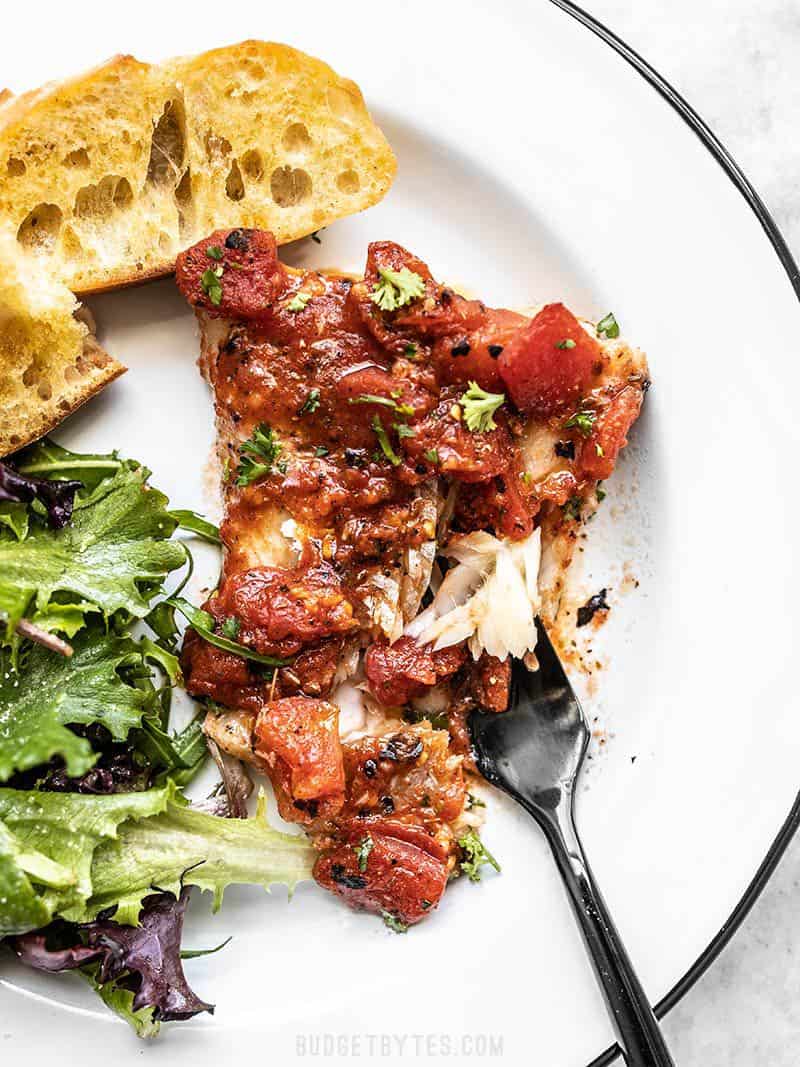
<point x="70" y="242"/>
<point x="253" y="165"/>
<point x="79" y="157"/>
<point x="14" y="439"/>
<point x="296" y="138"/>
<point x="217" y="148"/>
<point x="39" y="229"/>
<point x="234" y="186"/>
<point x="168" y="145"/>
<point x="348" y="181"/>
<point x="15" y="167"/>
<point x="71" y="374"/>
<point x="183" y="198"/>
<point x="30" y="376"/>
<point x="164" y="241"/>
<point x="343" y="105"/>
<point x="99" y="201"/>
<point x="290" y="186"/>
<point x="45" y="390"/>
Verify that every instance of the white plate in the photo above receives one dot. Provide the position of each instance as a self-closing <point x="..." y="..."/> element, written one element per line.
<point x="534" y="164"/>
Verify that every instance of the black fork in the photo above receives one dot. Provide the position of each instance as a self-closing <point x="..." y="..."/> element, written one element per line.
<point x="534" y="752"/>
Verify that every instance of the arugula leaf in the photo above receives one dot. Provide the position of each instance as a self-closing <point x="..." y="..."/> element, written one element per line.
<point x="396" y="288"/>
<point x="203" y="623"/>
<point x="257" y="455"/>
<point x="46" y="691"/>
<point x="114" y="555"/>
<point x="479" y="408"/>
<point x="196" y="524"/>
<point x="46" y="459"/>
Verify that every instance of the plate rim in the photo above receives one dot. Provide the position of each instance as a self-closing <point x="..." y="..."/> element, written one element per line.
<point x="737" y="176"/>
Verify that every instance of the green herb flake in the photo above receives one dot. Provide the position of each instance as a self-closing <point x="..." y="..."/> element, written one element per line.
<point x="608" y="327"/>
<point x="231" y="628"/>
<point x="479" y="408"/>
<point x="403" y="430"/>
<point x="432" y="456"/>
<point x="474" y="802"/>
<point x="365" y="846"/>
<point x="384" y="442"/>
<point x="475" y="856"/>
<point x="396" y="288"/>
<point x="311" y="403"/>
<point x="394" y="923"/>
<point x="582" y="421"/>
<point x="410" y="351"/>
<point x="203" y="623"/>
<point x="600" y="492"/>
<point x="321" y="451"/>
<point x="257" y="455"/>
<point x="572" y="508"/>
<point x="566" y="343"/>
<point x="214" y="252"/>
<point x="384" y="401"/>
<point x="526" y="477"/>
<point x="211" y="284"/>
<point x="425" y="904"/>
<point x="298" y="301"/>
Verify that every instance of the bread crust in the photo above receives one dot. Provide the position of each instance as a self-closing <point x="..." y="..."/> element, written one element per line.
<point x="110" y="174"/>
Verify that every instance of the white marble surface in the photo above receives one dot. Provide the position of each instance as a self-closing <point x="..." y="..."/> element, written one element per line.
<point x="737" y="63"/>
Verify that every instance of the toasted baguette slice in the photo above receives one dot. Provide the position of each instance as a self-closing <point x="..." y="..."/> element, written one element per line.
<point x="50" y="361"/>
<point x="108" y="176"/>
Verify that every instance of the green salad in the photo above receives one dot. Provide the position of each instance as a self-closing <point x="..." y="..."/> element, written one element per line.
<point x="99" y="848"/>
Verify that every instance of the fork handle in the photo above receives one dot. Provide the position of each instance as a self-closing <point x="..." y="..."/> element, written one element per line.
<point x="636" y="1026"/>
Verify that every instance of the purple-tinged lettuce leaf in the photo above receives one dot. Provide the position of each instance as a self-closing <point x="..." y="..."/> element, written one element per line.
<point x="56" y="496"/>
<point x="144" y="960"/>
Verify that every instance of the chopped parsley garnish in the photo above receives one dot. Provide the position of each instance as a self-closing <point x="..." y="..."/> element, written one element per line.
<point x="384" y="401"/>
<point x="474" y="802"/>
<point x="396" y="288"/>
<point x="321" y="451"/>
<point x="211" y="284"/>
<point x="566" y="343"/>
<point x="432" y="455"/>
<point x="311" y="403"/>
<point x="476" y="855"/>
<point x="425" y="904"/>
<point x="410" y="351"/>
<point x="231" y="628"/>
<point x="608" y="326"/>
<point x="365" y="846"/>
<point x="214" y="252"/>
<point x="298" y="301"/>
<point x="384" y="442"/>
<point x="403" y="430"/>
<point x="257" y="455"/>
<point x="572" y="508"/>
<point x="526" y="477"/>
<point x="582" y="421"/>
<point x="394" y="923"/>
<point x="600" y="492"/>
<point x="479" y="407"/>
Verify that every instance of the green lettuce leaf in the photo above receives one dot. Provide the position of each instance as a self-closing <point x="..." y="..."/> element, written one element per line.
<point x="72" y="855"/>
<point x="182" y="846"/>
<point x="113" y="555"/>
<point x="120" y="1000"/>
<point x="44" y="691"/>
<point x="47" y="844"/>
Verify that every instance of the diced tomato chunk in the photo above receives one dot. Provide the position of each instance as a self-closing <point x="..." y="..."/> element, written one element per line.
<point x="399" y="870"/>
<point x="453" y="449"/>
<point x="304" y="735"/>
<point x="499" y="504"/>
<point x="490" y="682"/>
<point x="474" y="356"/>
<point x="610" y="433"/>
<point x="550" y="363"/>
<point x="244" y="263"/>
<point x="397" y="673"/>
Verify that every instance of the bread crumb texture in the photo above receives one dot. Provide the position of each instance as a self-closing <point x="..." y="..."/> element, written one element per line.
<point x="108" y="176"/>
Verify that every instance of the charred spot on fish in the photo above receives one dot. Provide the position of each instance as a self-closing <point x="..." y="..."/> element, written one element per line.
<point x="349" y="881"/>
<point x="565" y="449"/>
<point x="355" y="457"/>
<point x="387" y="804"/>
<point x="462" y="348"/>
<point x="402" y="748"/>
<point x="594" y="604"/>
<point x="310" y="807"/>
<point x="239" y="240"/>
<point x="495" y="351"/>
<point x="370" y="768"/>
